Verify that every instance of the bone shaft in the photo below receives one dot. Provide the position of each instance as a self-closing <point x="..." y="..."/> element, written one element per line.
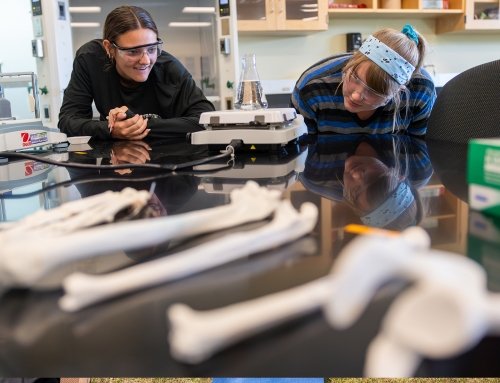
<point x="263" y="312"/>
<point x="217" y="329"/>
<point x="123" y="236"/>
<point x="191" y="261"/>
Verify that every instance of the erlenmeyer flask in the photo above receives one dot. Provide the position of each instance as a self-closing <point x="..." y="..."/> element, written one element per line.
<point x="249" y="94"/>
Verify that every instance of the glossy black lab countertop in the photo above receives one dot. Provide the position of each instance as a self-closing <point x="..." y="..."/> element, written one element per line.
<point x="128" y="336"/>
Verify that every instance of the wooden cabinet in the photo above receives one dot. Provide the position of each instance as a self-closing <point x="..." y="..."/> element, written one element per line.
<point x="397" y="8"/>
<point x="480" y="15"/>
<point x="446" y="13"/>
<point x="282" y="15"/>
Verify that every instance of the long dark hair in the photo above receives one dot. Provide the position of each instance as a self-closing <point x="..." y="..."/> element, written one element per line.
<point x="127" y="18"/>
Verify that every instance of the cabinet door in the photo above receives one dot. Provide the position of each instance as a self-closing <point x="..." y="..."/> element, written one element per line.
<point x="256" y="15"/>
<point x="482" y="14"/>
<point x="302" y="15"/>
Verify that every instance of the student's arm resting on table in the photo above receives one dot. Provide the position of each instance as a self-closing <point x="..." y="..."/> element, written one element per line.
<point x="75" y="117"/>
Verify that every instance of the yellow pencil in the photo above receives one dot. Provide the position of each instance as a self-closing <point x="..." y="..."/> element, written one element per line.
<point x="362" y="229"/>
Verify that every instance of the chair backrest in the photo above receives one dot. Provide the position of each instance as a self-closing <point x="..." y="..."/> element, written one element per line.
<point x="468" y="106"/>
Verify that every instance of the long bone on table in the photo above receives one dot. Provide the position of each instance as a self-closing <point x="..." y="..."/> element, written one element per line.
<point x="286" y="226"/>
<point x="27" y="255"/>
<point x="363" y="265"/>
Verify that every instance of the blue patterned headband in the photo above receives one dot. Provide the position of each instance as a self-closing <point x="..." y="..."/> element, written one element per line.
<point x="397" y="203"/>
<point x="387" y="59"/>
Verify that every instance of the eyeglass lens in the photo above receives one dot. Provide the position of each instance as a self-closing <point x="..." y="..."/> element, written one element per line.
<point x="371" y="96"/>
<point x="153" y="50"/>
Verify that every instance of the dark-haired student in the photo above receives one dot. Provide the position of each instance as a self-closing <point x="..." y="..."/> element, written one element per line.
<point x="127" y="70"/>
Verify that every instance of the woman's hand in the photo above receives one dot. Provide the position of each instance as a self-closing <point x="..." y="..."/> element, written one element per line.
<point x="122" y="127"/>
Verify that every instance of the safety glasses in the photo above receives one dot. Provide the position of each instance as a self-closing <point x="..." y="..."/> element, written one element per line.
<point x="368" y="95"/>
<point x="136" y="53"/>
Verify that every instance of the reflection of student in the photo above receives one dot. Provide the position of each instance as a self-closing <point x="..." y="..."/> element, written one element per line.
<point x="170" y="193"/>
<point x="172" y="150"/>
<point x="377" y="175"/>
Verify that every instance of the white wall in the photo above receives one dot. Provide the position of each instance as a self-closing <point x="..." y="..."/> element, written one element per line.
<point x="286" y="57"/>
<point x="16" y="33"/>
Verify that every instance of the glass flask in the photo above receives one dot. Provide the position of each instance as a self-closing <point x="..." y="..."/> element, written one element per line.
<point x="249" y="93"/>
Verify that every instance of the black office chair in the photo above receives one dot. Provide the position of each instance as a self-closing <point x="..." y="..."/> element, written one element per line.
<point x="468" y="106"/>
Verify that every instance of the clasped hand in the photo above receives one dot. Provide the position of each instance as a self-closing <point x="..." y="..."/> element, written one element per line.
<point x="122" y="127"/>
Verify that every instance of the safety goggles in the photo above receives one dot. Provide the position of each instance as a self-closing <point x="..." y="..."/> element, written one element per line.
<point x="369" y="96"/>
<point x="136" y="53"/>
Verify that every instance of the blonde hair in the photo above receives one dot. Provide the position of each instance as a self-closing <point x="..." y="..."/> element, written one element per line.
<point x="378" y="79"/>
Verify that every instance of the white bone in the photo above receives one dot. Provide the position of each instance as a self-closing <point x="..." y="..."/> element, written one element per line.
<point x="196" y="335"/>
<point x="90" y="211"/>
<point x="363" y="265"/>
<point x="435" y="319"/>
<point x="43" y="314"/>
<point x="388" y="359"/>
<point x="442" y="316"/>
<point x="354" y="284"/>
<point x="24" y="262"/>
<point x="287" y="225"/>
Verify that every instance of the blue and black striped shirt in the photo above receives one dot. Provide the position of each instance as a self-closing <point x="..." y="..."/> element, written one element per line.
<point x="318" y="98"/>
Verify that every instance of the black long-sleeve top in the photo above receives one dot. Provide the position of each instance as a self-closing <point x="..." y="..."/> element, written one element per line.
<point x="169" y="92"/>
